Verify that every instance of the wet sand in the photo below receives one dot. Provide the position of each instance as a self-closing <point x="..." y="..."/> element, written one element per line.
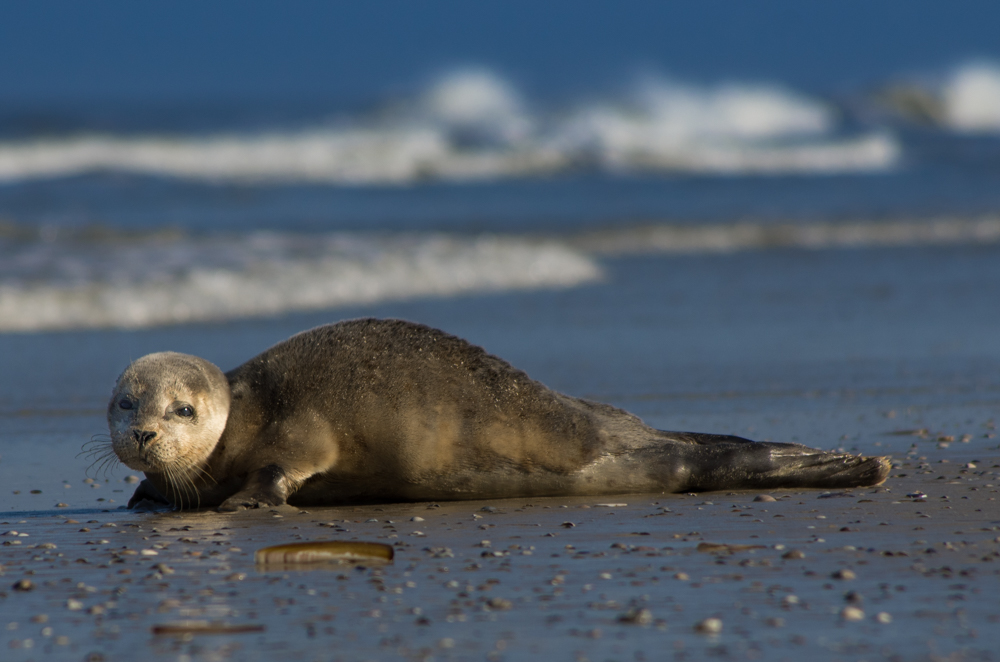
<point x="891" y="355"/>
<point x="861" y="574"/>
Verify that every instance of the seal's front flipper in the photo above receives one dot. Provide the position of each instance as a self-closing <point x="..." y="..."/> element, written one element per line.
<point x="268" y="486"/>
<point x="742" y="464"/>
<point x="147" y="492"/>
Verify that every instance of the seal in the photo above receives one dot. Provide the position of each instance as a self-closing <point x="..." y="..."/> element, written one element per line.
<point x="386" y="410"/>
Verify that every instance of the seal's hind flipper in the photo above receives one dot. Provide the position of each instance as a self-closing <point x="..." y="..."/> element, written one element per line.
<point x="735" y="463"/>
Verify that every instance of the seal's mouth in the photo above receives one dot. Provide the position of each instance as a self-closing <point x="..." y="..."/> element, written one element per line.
<point x="132" y="455"/>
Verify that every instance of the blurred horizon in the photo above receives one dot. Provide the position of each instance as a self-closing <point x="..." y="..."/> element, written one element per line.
<point x="57" y="53"/>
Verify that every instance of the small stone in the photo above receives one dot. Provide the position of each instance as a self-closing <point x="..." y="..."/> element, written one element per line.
<point x="682" y="576"/>
<point x="854" y="597"/>
<point x="499" y="603"/>
<point x="488" y="509"/>
<point x="775" y="622"/>
<point x="131" y="479"/>
<point x="74" y="605"/>
<point x="883" y="617"/>
<point x="149" y="552"/>
<point x="851" y="614"/>
<point x="790" y="600"/>
<point x="844" y="574"/>
<point x="793" y="554"/>
<point x="567" y="525"/>
<point x="764" y="497"/>
<point x="23" y="585"/>
<point x="709" y="626"/>
<point x="416" y="519"/>
<point x="40" y="618"/>
<point x="637" y="617"/>
<point x="62" y="505"/>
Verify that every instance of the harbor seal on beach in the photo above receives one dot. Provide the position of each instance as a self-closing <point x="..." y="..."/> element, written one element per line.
<point x="386" y="410"/>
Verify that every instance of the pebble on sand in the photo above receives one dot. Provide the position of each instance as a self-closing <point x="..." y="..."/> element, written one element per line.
<point x="639" y="617"/>
<point x="851" y="614"/>
<point x="709" y="626"/>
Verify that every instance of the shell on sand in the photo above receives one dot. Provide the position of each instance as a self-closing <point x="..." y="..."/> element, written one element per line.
<point x="323" y="552"/>
<point x="204" y="627"/>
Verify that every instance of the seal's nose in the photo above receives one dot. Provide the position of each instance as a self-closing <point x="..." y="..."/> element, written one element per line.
<point x="143" y="436"/>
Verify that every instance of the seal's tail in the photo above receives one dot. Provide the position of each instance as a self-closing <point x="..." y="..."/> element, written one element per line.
<point x="725" y="462"/>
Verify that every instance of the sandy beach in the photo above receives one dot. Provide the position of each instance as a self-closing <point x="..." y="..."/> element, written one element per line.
<point x="774" y="220"/>
<point x="874" y="351"/>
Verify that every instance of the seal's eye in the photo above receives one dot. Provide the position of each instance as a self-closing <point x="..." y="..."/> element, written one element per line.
<point x="186" y="411"/>
<point x="124" y="403"/>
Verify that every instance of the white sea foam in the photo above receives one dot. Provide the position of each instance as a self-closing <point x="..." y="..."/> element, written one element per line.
<point x="471" y="124"/>
<point x="971" y="98"/>
<point x="67" y="284"/>
<point x="735" y="237"/>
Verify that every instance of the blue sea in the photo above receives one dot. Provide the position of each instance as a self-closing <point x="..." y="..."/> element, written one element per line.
<point x="213" y="164"/>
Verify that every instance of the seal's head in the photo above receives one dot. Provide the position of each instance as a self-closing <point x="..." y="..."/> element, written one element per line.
<point x="167" y="413"/>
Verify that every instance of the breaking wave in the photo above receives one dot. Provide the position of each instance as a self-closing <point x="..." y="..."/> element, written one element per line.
<point x="76" y="282"/>
<point x="471" y="125"/>
<point x="965" y="101"/>
<point x="972" y="98"/>
<point x="745" y="236"/>
<point x="98" y="279"/>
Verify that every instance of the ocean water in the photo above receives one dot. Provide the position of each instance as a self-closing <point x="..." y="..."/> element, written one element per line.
<point x="468" y="185"/>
